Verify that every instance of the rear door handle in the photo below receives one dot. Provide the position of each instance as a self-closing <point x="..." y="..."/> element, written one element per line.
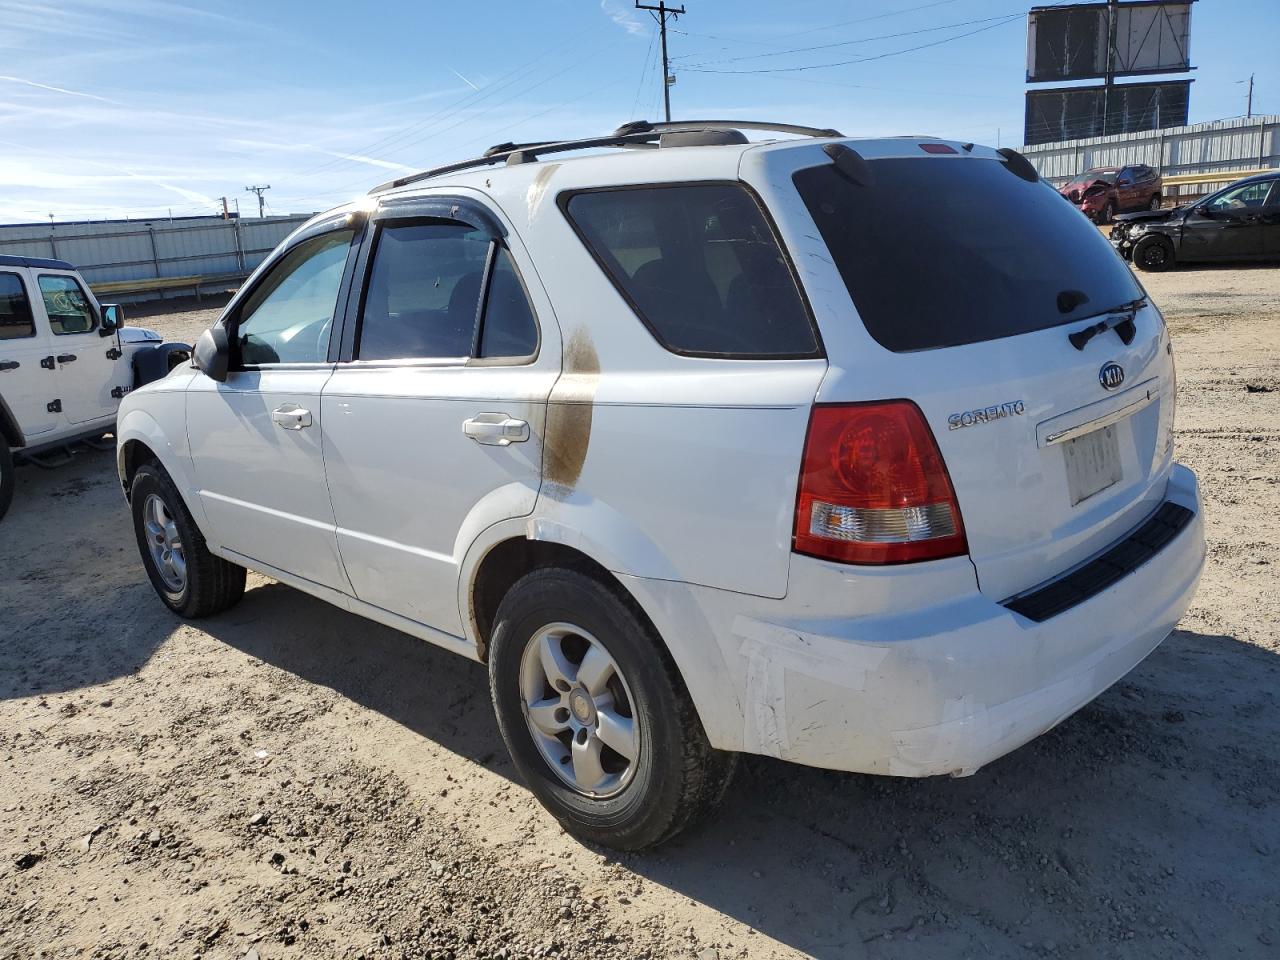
<point x="66" y="357"/>
<point x="290" y="416"/>
<point x="9" y="364"/>
<point x="495" y="429"/>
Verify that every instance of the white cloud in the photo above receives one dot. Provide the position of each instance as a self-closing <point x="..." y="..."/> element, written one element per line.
<point x="625" y="17"/>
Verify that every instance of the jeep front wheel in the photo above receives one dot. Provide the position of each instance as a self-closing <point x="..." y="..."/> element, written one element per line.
<point x="190" y="580"/>
<point x="595" y="714"/>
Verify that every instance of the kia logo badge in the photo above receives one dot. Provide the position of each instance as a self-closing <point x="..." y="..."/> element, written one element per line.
<point x="1111" y="375"/>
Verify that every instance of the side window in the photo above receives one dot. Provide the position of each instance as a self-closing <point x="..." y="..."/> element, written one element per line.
<point x="508" y="327"/>
<point x="16" y="321"/>
<point x="424" y="297"/>
<point x="700" y="265"/>
<point x="1241" y="198"/>
<point x="67" y="304"/>
<point x="1274" y="199"/>
<point x="287" y="317"/>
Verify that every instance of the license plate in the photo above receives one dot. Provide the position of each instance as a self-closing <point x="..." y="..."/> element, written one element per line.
<point x="1093" y="463"/>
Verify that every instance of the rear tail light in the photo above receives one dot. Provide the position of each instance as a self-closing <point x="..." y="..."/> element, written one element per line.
<point x="874" y="489"/>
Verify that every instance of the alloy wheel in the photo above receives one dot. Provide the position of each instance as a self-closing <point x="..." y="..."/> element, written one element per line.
<point x="165" y="544"/>
<point x="579" y="710"/>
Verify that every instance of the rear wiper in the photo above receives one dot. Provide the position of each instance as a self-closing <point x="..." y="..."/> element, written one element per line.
<point x="1120" y="320"/>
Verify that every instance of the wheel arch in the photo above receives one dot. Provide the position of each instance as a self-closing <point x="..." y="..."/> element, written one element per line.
<point x="140" y="438"/>
<point x="9" y="429"/>
<point x="508" y="552"/>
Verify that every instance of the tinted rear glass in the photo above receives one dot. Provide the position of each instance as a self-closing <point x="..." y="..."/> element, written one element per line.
<point x="943" y="252"/>
<point x="701" y="266"/>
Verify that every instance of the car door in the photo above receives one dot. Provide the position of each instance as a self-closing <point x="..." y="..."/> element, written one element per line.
<point x="256" y="439"/>
<point x="27" y="387"/>
<point x="79" y="351"/>
<point x="1271" y="223"/>
<point x="1125" y="188"/>
<point x="434" y="420"/>
<point x="1226" y="226"/>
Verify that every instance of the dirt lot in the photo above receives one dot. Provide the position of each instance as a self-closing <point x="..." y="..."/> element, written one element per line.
<point x="289" y="781"/>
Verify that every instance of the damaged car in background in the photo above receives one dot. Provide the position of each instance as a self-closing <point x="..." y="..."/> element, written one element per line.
<point x="1239" y="222"/>
<point x="1102" y="192"/>
<point x="703" y="447"/>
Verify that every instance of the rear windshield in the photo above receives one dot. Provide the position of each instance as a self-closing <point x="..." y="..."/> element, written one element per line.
<point x="943" y="252"/>
<point x="700" y="265"/>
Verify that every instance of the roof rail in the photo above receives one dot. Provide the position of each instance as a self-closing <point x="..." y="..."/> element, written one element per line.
<point x="673" y="126"/>
<point x="637" y="134"/>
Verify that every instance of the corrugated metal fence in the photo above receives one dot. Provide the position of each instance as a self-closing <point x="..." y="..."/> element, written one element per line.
<point x="1219" y="146"/>
<point x="208" y="248"/>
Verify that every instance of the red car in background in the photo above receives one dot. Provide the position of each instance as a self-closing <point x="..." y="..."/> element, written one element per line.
<point x="1103" y="192"/>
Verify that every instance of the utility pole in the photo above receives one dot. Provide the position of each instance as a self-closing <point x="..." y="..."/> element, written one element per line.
<point x="660" y="13"/>
<point x="259" y="191"/>
<point x="1249" y="110"/>
<point x="226" y="214"/>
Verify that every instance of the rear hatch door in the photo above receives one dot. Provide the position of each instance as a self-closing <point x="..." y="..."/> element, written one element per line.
<point x="950" y="281"/>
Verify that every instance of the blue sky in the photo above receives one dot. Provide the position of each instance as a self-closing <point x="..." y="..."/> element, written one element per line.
<point x="139" y="107"/>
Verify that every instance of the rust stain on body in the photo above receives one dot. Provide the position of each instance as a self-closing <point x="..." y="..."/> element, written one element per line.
<point x="568" y="433"/>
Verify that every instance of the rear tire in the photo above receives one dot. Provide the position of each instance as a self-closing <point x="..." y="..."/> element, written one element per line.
<point x="7" y="478"/>
<point x="1155" y="203"/>
<point x="189" y="580"/>
<point x="1153" y="254"/>
<point x="674" y="774"/>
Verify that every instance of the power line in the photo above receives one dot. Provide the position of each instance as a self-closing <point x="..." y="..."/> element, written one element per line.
<point x="879" y="56"/>
<point x="644" y="72"/>
<point x="847" y="43"/>
<point x="660" y="13"/>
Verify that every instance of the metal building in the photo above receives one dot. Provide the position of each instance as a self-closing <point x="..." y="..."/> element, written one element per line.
<point x="1231" y="148"/>
<point x="136" y="259"/>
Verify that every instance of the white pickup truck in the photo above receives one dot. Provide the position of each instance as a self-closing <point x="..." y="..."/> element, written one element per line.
<point x="65" y="362"/>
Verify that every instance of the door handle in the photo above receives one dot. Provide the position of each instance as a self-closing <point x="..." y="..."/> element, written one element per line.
<point x="290" y="416"/>
<point x="66" y="357"/>
<point x="9" y="364"/>
<point x="495" y="429"/>
<point x="48" y="363"/>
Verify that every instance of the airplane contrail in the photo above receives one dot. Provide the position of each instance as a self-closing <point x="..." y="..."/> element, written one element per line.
<point x="45" y="86"/>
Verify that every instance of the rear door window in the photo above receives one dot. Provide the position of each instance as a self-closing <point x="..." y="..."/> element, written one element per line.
<point x="426" y="297"/>
<point x="701" y="267"/>
<point x="16" y="321"/>
<point x="943" y="252"/>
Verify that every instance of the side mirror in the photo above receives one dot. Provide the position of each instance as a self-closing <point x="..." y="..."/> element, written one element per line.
<point x="212" y="354"/>
<point x="1202" y="210"/>
<point x="112" y="319"/>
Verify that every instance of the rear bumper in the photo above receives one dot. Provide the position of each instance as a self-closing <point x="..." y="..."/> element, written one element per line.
<point x="944" y="688"/>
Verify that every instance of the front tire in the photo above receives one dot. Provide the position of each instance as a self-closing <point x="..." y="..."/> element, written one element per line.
<point x="1153" y="254"/>
<point x="7" y="478"/>
<point x="1155" y="203"/>
<point x="595" y="715"/>
<point x="190" y="580"/>
<point x="1108" y="212"/>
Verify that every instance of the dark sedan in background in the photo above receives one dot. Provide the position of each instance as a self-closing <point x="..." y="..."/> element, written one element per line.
<point x="1102" y="192"/>
<point x="1239" y="222"/>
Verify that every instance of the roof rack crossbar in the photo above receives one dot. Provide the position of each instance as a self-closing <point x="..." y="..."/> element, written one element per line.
<point x="638" y="133"/>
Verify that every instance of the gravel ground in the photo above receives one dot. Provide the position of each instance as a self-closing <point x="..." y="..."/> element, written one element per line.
<point x="287" y="780"/>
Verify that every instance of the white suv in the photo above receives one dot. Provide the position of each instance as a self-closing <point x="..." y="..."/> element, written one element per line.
<point x="852" y="453"/>
<point x="65" y="362"/>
